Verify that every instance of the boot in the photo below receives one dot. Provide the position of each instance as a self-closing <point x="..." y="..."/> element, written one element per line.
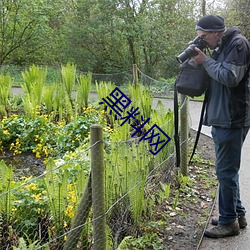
<point x="221" y="231"/>
<point x="241" y="219"/>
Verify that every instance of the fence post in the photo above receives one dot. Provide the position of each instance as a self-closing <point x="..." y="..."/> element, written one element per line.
<point x="184" y="135"/>
<point x="98" y="196"/>
<point x="135" y="74"/>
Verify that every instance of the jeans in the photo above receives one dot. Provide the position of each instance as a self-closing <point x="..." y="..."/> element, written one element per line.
<point x="228" y="145"/>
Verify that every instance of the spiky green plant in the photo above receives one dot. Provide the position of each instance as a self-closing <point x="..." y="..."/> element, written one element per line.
<point x="83" y="90"/>
<point x="56" y="185"/>
<point x="33" y="85"/>
<point x="165" y="120"/>
<point x="48" y="98"/>
<point x="141" y="97"/>
<point x="6" y="184"/>
<point x="5" y="90"/>
<point x="126" y="171"/>
<point x="62" y="106"/>
<point x="68" y="74"/>
<point x="103" y="90"/>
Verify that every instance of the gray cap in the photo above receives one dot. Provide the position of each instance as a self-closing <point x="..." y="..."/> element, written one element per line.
<point x="210" y="23"/>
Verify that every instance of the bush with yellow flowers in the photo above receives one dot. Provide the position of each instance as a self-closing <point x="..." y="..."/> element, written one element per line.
<point x="43" y="137"/>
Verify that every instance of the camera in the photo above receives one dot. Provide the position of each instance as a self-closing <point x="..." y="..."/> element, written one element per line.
<point x="190" y="51"/>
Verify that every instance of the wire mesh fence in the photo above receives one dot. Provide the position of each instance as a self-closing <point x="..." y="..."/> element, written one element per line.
<point x="56" y="209"/>
<point x="46" y="211"/>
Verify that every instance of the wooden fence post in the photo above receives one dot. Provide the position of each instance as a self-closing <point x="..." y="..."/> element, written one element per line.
<point x="135" y="74"/>
<point x="98" y="195"/>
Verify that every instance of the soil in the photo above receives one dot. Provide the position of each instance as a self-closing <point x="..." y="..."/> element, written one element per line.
<point x="25" y="164"/>
<point x="188" y="221"/>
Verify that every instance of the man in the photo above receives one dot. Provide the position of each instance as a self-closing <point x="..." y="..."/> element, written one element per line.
<point x="228" y="112"/>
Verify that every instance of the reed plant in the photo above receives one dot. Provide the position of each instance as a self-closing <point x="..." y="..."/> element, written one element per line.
<point x="83" y="91"/>
<point x="126" y="172"/>
<point x="6" y="184"/>
<point x="103" y="90"/>
<point x="68" y="75"/>
<point x="34" y="80"/>
<point x="141" y="97"/>
<point x="62" y="106"/>
<point x="48" y="98"/>
<point x="165" y="120"/>
<point x="5" y="90"/>
<point x="56" y="184"/>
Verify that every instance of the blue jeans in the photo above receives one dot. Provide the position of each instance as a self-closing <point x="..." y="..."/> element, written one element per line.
<point x="228" y="145"/>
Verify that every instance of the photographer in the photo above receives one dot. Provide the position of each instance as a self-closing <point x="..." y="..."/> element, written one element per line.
<point x="228" y="112"/>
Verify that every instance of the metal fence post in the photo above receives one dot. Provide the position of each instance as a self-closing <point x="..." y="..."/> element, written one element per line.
<point x="98" y="196"/>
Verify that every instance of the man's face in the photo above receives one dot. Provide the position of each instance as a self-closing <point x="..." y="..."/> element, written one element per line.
<point x="211" y="38"/>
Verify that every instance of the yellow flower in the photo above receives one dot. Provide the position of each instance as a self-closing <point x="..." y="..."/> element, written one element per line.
<point x="37" y="196"/>
<point x="73" y="199"/>
<point x="6" y="132"/>
<point x="38" y="156"/>
<point x="69" y="211"/>
<point x="31" y="187"/>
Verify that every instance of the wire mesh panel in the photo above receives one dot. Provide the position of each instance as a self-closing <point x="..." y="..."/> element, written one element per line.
<point x="54" y="206"/>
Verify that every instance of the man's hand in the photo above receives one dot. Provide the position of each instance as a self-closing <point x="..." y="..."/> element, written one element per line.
<point x="200" y="58"/>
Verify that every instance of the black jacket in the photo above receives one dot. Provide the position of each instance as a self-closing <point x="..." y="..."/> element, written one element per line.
<point x="229" y="90"/>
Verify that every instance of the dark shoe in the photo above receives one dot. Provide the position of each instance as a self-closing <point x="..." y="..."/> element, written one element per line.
<point x="221" y="231"/>
<point x="241" y="219"/>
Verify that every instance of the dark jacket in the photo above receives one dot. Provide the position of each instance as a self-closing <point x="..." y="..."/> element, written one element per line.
<point x="228" y="103"/>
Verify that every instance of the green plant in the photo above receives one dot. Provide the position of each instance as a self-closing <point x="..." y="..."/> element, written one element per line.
<point x="147" y="241"/>
<point x="48" y="98"/>
<point x="176" y="199"/>
<point x="5" y="90"/>
<point x="103" y="90"/>
<point x="68" y="74"/>
<point x="164" y="191"/>
<point x="83" y="91"/>
<point x="6" y="184"/>
<point x="141" y="97"/>
<point x="30" y="207"/>
<point x="184" y="181"/>
<point x="125" y="172"/>
<point x="34" y="81"/>
<point x="165" y="120"/>
<point x="44" y="137"/>
<point x="28" y="244"/>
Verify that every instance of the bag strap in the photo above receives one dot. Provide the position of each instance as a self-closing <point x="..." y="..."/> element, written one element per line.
<point x="176" y="126"/>
<point x="199" y="127"/>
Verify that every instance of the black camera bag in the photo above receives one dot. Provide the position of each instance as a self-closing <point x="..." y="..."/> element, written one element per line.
<point x="192" y="79"/>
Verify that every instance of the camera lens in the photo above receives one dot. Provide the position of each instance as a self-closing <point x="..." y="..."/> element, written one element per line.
<point x="187" y="53"/>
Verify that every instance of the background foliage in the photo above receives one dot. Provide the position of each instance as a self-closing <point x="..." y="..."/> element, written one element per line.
<point x="106" y="36"/>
